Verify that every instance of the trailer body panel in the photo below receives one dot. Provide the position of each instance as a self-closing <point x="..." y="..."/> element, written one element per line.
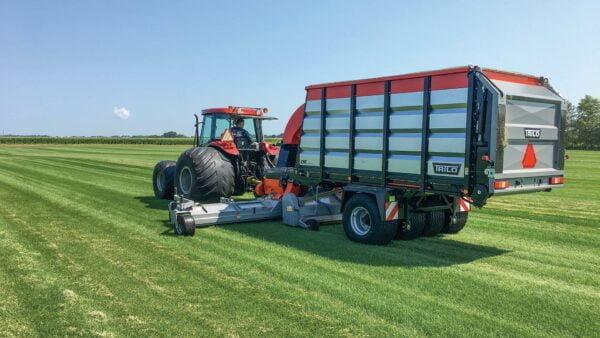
<point x="441" y="131"/>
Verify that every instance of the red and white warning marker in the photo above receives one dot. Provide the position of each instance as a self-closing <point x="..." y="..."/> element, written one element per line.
<point x="391" y="211"/>
<point x="464" y="204"/>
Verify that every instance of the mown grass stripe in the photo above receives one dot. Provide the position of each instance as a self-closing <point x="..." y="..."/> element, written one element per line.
<point x="101" y="235"/>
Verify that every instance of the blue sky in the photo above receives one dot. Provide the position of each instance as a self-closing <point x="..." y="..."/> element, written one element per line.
<point x="68" y="67"/>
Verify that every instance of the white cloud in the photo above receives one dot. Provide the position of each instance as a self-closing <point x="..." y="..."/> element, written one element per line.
<point x="121" y="112"/>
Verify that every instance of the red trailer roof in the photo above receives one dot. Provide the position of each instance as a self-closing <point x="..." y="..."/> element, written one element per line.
<point x="441" y="79"/>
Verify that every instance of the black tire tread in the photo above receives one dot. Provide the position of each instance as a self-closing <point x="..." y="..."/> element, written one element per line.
<point x="459" y="223"/>
<point x="413" y="226"/>
<point x="213" y="175"/>
<point x="169" y="168"/>
<point x="381" y="233"/>
<point x="435" y="222"/>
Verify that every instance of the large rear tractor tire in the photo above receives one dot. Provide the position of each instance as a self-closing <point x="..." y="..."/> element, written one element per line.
<point x="163" y="178"/>
<point x="363" y="224"/>
<point x="454" y="225"/>
<point x="204" y="175"/>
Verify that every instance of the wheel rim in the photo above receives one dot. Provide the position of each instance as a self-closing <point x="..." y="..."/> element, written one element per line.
<point x="185" y="180"/>
<point x="159" y="180"/>
<point x="178" y="228"/>
<point x="360" y="220"/>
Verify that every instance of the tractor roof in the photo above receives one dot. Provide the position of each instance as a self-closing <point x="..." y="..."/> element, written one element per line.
<point x="238" y="112"/>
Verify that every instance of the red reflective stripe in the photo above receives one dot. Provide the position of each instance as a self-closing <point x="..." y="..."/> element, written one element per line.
<point x="464" y="205"/>
<point x="405" y="185"/>
<point x="391" y="211"/>
<point x="394" y="214"/>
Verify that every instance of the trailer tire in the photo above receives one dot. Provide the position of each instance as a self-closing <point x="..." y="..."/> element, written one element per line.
<point x="454" y="226"/>
<point x="185" y="225"/>
<point x="163" y="177"/>
<point x="413" y="226"/>
<point x="435" y="222"/>
<point x="363" y="223"/>
<point x="204" y="175"/>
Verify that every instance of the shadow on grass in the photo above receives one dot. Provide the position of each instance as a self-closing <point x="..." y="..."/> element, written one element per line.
<point x="332" y="243"/>
<point x="152" y="202"/>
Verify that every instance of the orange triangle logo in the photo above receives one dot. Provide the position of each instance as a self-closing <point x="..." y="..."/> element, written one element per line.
<point x="529" y="159"/>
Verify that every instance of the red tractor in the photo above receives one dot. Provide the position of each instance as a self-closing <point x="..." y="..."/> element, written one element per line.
<point x="226" y="159"/>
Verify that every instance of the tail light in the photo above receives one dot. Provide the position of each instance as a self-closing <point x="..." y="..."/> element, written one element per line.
<point x="557" y="180"/>
<point x="501" y="184"/>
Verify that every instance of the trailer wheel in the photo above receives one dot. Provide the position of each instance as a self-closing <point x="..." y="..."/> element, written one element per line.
<point x="456" y="224"/>
<point x="185" y="225"/>
<point x="163" y="178"/>
<point x="434" y="223"/>
<point x="363" y="224"/>
<point x="204" y="174"/>
<point x="413" y="226"/>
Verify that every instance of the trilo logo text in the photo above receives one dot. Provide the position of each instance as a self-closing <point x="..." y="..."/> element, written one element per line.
<point x="532" y="133"/>
<point x="446" y="168"/>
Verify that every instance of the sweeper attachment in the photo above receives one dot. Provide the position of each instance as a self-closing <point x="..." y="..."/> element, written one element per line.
<point x="305" y="212"/>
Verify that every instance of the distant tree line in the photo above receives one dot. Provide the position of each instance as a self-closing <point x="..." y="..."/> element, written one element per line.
<point x="583" y="124"/>
<point x="169" y="134"/>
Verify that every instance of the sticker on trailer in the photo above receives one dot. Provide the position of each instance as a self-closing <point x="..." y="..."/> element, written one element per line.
<point x="446" y="168"/>
<point x="391" y="211"/>
<point x="533" y="132"/>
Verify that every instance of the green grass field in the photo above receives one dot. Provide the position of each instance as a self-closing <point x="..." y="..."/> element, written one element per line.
<point x="86" y="250"/>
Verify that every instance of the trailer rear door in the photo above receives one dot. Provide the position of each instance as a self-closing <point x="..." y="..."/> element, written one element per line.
<point x="530" y="137"/>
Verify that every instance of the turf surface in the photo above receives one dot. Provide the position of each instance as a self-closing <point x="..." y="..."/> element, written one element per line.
<point x="85" y="250"/>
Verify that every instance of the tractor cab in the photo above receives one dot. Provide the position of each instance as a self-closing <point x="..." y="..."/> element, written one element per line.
<point x="226" y="159"/>
<point x="219" y="128"/>
<point x="236" y="133"/>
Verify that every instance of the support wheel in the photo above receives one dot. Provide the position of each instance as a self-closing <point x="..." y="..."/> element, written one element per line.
<point x="163" y="178"/>
<point x="454" y="225"/>
<point x="312" y="225"/>
<point x="363" y="224"/>
<point x="413" y="226"/>
<point x="185" y="225"/>
<point x="435" y="221"/>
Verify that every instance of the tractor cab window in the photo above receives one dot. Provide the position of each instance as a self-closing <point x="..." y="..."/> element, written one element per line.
<point x="214" y="125"/>
<point x="249" y="126"/>
<point x="221" y="124"/>
<point x="207" y="126"/>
